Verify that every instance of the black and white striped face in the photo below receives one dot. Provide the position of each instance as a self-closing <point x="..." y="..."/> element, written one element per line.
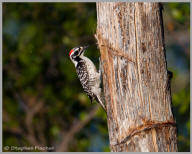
<point x="76" y="53"/>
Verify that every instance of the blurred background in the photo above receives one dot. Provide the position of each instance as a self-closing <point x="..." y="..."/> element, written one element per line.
<point x="43" y="102"/>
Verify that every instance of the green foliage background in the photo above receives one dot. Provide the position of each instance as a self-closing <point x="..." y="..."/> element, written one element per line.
<point x="37" y="73"/>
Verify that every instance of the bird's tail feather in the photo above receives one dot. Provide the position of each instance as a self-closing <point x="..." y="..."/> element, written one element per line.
<point x="98" y="99"/>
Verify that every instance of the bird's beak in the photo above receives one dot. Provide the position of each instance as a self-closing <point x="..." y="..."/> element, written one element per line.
<point x="83" y="49"/>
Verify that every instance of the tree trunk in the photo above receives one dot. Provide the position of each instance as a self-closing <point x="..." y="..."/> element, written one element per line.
<point x="135" y="77"/>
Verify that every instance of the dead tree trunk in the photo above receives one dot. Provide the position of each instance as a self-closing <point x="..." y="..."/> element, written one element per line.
<point x="136" y="83"/>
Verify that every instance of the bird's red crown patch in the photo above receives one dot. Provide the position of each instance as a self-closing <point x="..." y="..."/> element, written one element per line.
<point x="70" y="52"/>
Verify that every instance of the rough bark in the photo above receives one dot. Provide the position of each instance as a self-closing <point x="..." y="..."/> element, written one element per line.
<point x="135" y="78"/>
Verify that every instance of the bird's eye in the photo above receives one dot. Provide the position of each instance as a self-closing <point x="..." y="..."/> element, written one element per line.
<point x="76" y="53"/>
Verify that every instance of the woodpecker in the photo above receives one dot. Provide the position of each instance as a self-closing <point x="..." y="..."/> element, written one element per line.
<point x="87" y="74"/>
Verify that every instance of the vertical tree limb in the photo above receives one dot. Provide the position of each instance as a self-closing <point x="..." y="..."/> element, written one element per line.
<point x="131" y="42"/>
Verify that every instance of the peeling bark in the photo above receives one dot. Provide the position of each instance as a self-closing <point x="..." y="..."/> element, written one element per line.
<point x="131" y="41"/>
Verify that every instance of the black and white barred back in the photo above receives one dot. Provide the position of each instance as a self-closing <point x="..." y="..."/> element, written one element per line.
<point x="83" y="76"/>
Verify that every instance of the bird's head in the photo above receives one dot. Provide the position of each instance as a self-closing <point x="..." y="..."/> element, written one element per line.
<point x="77" y="52"/>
